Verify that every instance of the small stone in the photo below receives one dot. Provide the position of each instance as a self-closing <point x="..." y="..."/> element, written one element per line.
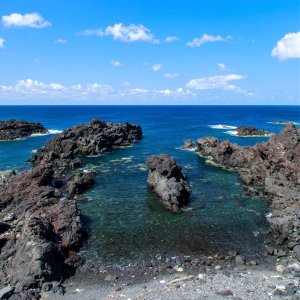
<point x="9" y="217"/>
<point x="177" y="286"/>
<point x="218" y="268"/>
<point x="233" y="253"/>
<point x="280" y="268"/>
<point x="240" y="260"/>
<point x="253" y="263"/>
<point x="225" y="293"/>
<point x="177" y="268"/>
<point x="270" y="250"/>
<point x="296" y="252"/>
<point x="118" y="289"/>
<point x="111" y="278"/>
<point x="279" y="253"/>
<point x="162" y="281"/>
<point x="294" y="267"/>
<point x="6" y="292"/>
<point x="201" y="276"/>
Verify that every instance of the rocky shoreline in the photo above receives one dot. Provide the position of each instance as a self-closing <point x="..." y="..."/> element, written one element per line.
<point x="14" y="129"/>
<point x="41" y="227"/>
<point x="271" y="168"/>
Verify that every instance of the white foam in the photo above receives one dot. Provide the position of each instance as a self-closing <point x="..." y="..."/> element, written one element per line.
<point x="54" y="131"/>
<point x="235" y="133"/>
<point x="268" y="215"/>
<point x="49" y="132"/>
<point x="283" y="122"/>
<point x="34" y="151"/>
<point x="222" y="126"/>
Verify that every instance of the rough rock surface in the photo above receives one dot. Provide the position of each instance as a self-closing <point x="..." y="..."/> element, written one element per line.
<point x="273" y="168"/>
<point x="167" y="180"/>
<point x="250" y="131"/>
<point x="40" y="222"/>
<point x="92" y="139"/>
<point x="39" y="239"/>
<point x="14" y="129"/>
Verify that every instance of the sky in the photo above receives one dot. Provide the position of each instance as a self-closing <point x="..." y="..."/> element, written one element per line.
<point x="166" y="52"/>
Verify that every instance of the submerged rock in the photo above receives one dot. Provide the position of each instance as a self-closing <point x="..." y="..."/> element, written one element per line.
<point x="86" y="140"/>
<point x="167" y="180"/>
<point x="250" y="131"/>
<point x="14" y="129"/>
<point x="272" y="167"/>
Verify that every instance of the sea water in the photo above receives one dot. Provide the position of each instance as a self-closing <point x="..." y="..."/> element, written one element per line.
<point x="124" y="217"/>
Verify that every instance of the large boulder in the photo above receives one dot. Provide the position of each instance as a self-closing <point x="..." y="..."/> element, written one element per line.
<point x="14" y="129"/>
<point x="168" y="182"/>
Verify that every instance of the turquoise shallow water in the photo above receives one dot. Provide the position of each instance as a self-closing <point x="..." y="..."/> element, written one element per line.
<point x="125" y="219"/>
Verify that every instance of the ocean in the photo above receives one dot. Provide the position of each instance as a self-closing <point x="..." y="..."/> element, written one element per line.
<point x="125" y="220"/>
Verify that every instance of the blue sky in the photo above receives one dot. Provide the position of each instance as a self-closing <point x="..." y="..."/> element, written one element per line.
<point x="149" y="52"/>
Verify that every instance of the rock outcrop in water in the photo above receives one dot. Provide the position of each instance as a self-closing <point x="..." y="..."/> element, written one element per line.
<point x="40" y="222"/>
<point x="168" y="182"/>
<point x="86" y="140"/>
<point x="250" y="131"/>
<point x="272" y="167"/>
<point x="14" y="129"/>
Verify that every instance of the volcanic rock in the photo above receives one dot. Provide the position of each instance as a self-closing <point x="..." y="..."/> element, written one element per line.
<point x="14" y="129"/>
<point x="167" y="180"/>
<point x="272" y="167"/>
<point x="250" y="131"/>
<point x="94" y="138"/>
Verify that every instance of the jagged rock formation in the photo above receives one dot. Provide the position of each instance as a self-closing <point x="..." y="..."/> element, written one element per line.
<point x="40" y="222"/>
<point x="168" y="182"/>
<point x="94" y="138"/>
<point x="14" y="129"/>
<point x="272" y="167"/>
<point x="250" y="131"/>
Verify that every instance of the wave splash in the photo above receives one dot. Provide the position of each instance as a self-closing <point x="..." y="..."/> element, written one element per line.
<point x="222" y="126"/>
<point x="49" y="132"/>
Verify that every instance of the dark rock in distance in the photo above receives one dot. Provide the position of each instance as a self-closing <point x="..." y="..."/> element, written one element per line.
<point x="168" y="182"/>
<point x="14" y="129"/>
<point x="250" y="131"/>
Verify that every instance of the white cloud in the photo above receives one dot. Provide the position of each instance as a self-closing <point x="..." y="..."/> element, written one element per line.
<point x="33" y="20"/>
<point x="171" y="39"/>
<point x="171" y="75"/>
<point x="2" y="42"/>
<point x="197" y="42"/>
<point x="127" y="34"/>
<point x="156" y="67"/>
<point x="222" y="67"/>
<point x="288" y="47"/>
<point x="61" y="41"/>
<point x="34" y="89"/>
<point x="116" y="63"/>
<point x="215" y="82"/>
<point x="176" y="92"/>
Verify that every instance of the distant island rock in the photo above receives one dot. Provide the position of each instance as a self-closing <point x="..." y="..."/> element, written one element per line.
<point x="272" y="167"/>
<point x="168" y="182"/>
<point x="40" y="221"/>
<point x="250" y="131"/>
<point x="15" y="129"/>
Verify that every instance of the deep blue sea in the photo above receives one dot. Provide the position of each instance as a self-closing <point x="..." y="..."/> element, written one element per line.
<point x="124" y="217"/>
